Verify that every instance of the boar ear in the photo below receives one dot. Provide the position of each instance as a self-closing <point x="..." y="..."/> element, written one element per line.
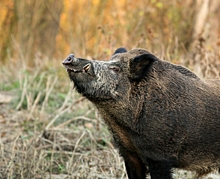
<point x="120" y="50"/>
<point x="140" y="65"/>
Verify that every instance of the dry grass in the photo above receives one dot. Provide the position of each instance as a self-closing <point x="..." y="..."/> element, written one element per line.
<point x="49" y="131"/>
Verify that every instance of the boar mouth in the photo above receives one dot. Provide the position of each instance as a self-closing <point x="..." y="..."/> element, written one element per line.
<point x="69" y="69"/>
<point x="86" y="68"/>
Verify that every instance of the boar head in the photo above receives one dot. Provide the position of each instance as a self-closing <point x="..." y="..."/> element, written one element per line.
<point x="108" y="80"/>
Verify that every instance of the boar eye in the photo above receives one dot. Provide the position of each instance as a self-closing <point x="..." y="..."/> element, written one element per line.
<point x="115" y="69"/>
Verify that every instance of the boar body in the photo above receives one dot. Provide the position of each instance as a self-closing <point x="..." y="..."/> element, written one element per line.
<point x="162" y="116"/>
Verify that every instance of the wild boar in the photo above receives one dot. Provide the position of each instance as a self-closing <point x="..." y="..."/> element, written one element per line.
<point x="161" y="115"/>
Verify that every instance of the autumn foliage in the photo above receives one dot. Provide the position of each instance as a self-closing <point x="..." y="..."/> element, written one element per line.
<point x="95" y="28"/>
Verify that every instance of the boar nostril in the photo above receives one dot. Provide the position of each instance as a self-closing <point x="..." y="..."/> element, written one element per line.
<point x="69" y="60"/>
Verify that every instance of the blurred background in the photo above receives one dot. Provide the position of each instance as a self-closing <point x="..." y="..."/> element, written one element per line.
<point x="95" y="28"/>
<point x="47" y="130"/>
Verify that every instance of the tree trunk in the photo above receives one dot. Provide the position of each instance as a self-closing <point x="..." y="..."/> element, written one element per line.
<point x="207" y="25"/>
<point x="206" y="35"/>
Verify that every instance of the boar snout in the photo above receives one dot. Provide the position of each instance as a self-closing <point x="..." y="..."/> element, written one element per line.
<point x="75" y="66"/>
<point x="70" y="60"/>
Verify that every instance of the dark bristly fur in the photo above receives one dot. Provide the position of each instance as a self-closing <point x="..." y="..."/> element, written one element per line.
<point x="162" y="116"/>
